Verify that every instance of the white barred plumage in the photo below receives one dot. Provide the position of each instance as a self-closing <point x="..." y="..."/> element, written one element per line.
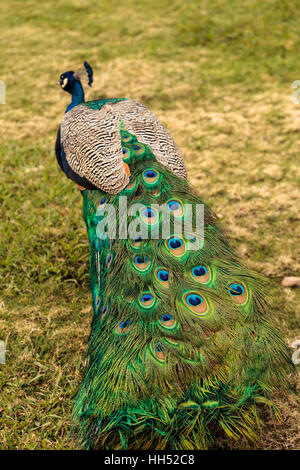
<point x="92" y="143"/>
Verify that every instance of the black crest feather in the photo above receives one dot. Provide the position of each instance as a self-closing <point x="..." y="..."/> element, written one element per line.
<point x="89" y="70"/>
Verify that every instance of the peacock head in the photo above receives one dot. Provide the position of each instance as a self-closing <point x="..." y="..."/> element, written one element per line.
<point x="67" y="80"/>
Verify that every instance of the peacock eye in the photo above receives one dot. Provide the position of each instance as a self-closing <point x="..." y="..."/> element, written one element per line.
<point x="157" y="351"/>
<point x="174" y="243"/>
<point x="147" y="300"/>
<point x="173" y="205"/>
<point x="150" y="174"/>
<point x="104" y="312"/>
<point x="109" y="261"/>
<point x="196" y="303"/>
<point x="166" y="317"/>
<point x="151" y="177"/>
<point x="124" y="326"/>
<point x="239" y="293"/>
<point x="163" y="275"/>
<point x="141" y="260"/>
<point x="142" y="263"/>
<point x="236" y="289"/>
<point x="149" y="213"/>
<point x="199" y="271"/>
<point x="193" y="300"/>
<point x="149" y="216"/>
<point x="167" y="321"/>
<point x="176" y="246"/>
<point x="201" y="274"/>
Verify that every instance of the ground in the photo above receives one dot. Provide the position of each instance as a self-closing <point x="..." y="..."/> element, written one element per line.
<point x="219" y="75"/>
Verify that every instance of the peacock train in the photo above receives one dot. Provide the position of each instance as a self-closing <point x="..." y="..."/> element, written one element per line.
<point x="182" y="346"/>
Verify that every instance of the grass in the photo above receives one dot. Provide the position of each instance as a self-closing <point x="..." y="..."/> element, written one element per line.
<point x="218" y="74"/>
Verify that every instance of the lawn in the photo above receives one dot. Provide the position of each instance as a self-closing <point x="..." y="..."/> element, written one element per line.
<point x="218" y="73"/>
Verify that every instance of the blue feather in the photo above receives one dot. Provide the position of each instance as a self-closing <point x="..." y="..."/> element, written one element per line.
<point x="89" y="70"/>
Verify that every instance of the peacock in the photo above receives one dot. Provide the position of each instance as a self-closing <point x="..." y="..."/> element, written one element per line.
<point x="182" y="348"/>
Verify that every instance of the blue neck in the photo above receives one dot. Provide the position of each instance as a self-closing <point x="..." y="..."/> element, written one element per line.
<point x="77" y="95"/>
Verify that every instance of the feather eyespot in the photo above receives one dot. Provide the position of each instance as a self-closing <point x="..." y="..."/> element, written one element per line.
<point x="176" y="246"/>
<point x="101" y="206"/>
<point x="147" y="300"/>
<point x="175" y="207"/>
<point x="138" y="149"/>
<point x="195" y="303"/>
<point x="136" y="242"/>
<point x="126" y="137"/>
<point x="141" y="260"/>
<point x="141" y="263"/>
<point x="167" y="321"/>
<point x="238" y="292"/>
<point x="124" y="326"/>
<point x="150" y="174"/>
<point x="104" y="312"/>
<point x="157" y="351"/>
<point x="149" y="215"/>
<point x="109" y="260"/>
<point x="90" y="193"/>
<point x="201" y="274"/>
<point x="126" y="154"/>
<point x="151" y="177"/>
<point x="162" y="276"/>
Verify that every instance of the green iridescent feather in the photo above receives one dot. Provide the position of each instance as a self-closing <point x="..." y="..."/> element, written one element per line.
<point x="182" y="345"/>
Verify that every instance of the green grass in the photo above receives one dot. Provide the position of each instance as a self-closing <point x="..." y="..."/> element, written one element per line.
<point x="218" y="74"/>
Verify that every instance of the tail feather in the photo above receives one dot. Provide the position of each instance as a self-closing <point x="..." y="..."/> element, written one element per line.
<point x="181" y="344"/>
